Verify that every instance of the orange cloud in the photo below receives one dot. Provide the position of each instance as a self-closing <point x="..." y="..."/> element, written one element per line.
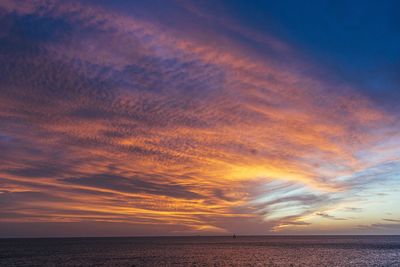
<point x="135" y="123"/>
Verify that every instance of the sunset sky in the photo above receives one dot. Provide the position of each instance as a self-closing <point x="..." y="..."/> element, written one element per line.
<point x="199" y="117"/>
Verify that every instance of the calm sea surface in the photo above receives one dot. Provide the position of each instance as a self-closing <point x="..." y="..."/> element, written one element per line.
<point x="203" y="251"/>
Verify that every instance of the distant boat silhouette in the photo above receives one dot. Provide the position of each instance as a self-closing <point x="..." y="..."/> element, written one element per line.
<point x="234" y="236"/>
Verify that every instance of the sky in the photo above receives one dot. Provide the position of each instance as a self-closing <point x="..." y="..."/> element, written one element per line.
<point x="127" y="118"/>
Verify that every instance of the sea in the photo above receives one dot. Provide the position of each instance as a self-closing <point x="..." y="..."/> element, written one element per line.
<point x="203" y="251"/>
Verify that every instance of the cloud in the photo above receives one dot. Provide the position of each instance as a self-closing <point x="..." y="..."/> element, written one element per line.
<point x="331" y="217"/>
<point x="297" y="223"/>
<point x="134" y="185"/>
<point x="352" y="209"/>
<point x="390" y="228"/>
<point x="392" y="220"/>
<point x="131" y="122"/>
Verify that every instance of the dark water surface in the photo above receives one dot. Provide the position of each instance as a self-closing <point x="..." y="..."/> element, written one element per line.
<point x="203" y="251"/>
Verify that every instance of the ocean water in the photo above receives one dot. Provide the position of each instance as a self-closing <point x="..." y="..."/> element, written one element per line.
<point x="203" y="251"/>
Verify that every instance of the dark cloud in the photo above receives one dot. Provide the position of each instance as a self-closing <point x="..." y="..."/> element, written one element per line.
<point x="10" y="199"/>
<point x="135" y="185"/>
<point x="37" y="171"/>
<point x="331" y="217"/>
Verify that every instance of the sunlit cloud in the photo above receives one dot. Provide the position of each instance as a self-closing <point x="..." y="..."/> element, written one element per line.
<point x="109" y="118"/>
